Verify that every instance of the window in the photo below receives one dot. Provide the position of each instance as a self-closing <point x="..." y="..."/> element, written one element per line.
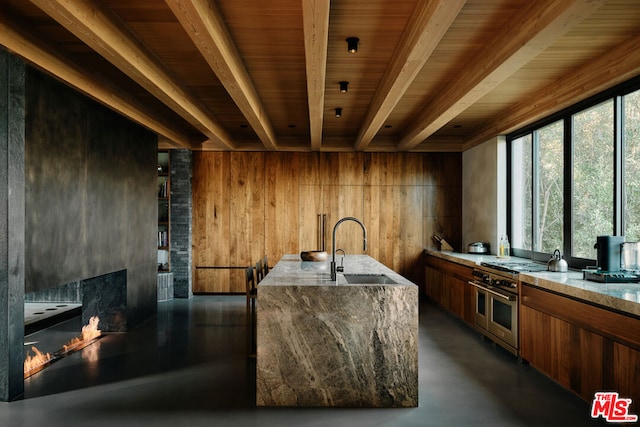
<point x="575" y="176"/>
<point x="631" y="137"/>
<point x="549" y="185"/>
<point x="521" y="182"/>
<point x="593" y="166"/>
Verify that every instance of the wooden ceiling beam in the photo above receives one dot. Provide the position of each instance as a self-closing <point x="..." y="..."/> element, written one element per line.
<point x="429" y="23"/>
<point x="534" y="27"/>
<point x="99" y="28"/>
<point x="615" y="66"/>
<point x="315" y="14"/>
<point x="204" y="23"/>
<point x="46" y="57"/>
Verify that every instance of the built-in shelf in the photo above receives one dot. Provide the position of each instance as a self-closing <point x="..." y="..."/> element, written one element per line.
<point x="164" y="202"/>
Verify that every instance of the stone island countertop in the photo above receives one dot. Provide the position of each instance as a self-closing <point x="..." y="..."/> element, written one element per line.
<point x="325" y="344"/>
<point x="291" y="270"/>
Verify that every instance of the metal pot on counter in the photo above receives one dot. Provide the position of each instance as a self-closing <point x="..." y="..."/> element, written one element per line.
<point x="478" y="248"/>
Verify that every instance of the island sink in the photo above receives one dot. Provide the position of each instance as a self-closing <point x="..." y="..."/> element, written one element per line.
<point x="368" y="279"/>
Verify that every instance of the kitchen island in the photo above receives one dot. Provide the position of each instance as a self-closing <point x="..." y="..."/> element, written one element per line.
<point x="326" y="343"/>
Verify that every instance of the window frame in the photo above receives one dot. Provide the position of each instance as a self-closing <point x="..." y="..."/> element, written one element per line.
<point x="615" y="93"/>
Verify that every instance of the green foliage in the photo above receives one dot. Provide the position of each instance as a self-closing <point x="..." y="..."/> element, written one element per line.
<point x="632" y="166"/>
<point x="550" y="187"/>
<point x="593" y="180"/>
<point x="593" y="177"/>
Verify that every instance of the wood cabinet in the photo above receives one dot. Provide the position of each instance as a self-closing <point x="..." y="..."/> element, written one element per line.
<point x="246" y="205"/>
<point x="446" y="284"/>
<point x="583" y="347"/>
<point x="164" y="200"/>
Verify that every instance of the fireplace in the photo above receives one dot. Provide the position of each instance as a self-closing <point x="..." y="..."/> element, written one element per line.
<point x="101" y="302"/>
<point x="36" y="360"/>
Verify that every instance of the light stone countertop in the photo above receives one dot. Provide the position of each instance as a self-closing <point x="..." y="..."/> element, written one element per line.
<point x="471" y="260"/>
<point x="623" y="297"/>
<point x="292" y="271"/>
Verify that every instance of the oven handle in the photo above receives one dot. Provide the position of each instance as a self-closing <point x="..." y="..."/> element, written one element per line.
<point x="491" y="291"/>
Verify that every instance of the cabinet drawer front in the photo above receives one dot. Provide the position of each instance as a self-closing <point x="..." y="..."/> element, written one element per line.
<point x="616" y="326"/>
<point x="456" y="270"/>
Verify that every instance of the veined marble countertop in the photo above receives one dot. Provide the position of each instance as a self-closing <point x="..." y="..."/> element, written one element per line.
<point x="325" y="344"/>
<point x="291" y="270"/>
<point x="471" y="260"/>
<point x="623" y="297"/>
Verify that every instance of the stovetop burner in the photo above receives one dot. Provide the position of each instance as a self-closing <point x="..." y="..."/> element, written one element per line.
<point x="611" y="276"/>
<point x="515" y="267"/>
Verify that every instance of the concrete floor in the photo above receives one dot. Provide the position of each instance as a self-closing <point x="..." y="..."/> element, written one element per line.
<point x="188" y="368"/>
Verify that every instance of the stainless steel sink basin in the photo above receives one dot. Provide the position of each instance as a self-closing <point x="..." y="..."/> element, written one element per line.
<point x="369" y="279"/>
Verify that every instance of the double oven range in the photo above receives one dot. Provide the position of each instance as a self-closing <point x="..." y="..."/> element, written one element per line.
<point x="496" y="300"/>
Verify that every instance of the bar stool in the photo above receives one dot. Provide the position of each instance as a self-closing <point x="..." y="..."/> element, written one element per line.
<point x="259" y="271"/>
<point x="252" y="293"/>
<point x="265" y="265"/>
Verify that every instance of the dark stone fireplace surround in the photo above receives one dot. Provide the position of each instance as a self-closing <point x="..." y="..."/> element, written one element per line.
<point x="104" y="296"/>
<point x="79" y="183"/>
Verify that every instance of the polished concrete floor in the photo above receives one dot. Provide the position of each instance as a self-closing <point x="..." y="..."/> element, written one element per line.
<point x="187" y="367"/>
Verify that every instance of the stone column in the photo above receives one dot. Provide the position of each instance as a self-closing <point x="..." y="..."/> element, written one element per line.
<point x="12" y="225"/>
<point x="180" y="217"/>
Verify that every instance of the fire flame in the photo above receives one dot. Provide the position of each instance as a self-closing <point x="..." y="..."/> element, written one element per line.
<point x="89" y="332"/>
<point x="39" y="359"/>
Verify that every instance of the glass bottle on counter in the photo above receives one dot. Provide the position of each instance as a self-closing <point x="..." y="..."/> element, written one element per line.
<point x="504" y="248"/>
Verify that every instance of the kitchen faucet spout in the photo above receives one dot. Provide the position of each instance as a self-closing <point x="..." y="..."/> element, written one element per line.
<point x="333" y="242"/>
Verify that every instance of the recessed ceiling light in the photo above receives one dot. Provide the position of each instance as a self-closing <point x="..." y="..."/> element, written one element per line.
<point x="343" y="87"/>
<point x="352" y="44"/>
<point x="338" y="112"/>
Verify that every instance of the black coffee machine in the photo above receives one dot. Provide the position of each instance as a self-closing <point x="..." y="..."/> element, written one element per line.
<point x="609" y="258"/>
<point x="609" y="252"/>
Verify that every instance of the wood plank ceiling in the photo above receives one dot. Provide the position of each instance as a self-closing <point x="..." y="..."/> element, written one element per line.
<point x="438" y="75"/>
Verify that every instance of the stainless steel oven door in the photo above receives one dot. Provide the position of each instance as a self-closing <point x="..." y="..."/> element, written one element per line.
<point x="481" y="314"/>
<point x="503" y="317"/>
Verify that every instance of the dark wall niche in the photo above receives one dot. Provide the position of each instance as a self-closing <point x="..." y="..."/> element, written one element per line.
<point x="90" y="194"/>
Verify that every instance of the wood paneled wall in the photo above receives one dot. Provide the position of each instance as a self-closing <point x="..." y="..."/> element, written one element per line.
<point x="247" y="205"/>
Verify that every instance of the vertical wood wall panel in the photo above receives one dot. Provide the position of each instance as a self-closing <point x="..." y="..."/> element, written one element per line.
<point x="211" y="214"/>
<point x="309" y="207"/>
<point x="342" y="201"/>
<point x="350" y="167"/>
<point x="247" y="213"/>
<point x="282" y="213"/>
<point x="410" y="231"/>
<point x="310" y="169"/>
<point x="382" y="220"/>
<point x="250" y="204"/>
